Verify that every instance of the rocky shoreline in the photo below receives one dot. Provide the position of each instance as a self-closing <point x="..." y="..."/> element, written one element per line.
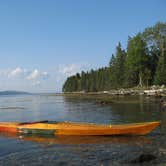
<point x="107" y="97"/>
<point x="151" y="91"/>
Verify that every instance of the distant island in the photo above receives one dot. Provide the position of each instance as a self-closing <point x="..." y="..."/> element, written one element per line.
<point x="11" y="92"/>
<point x="141" y="64"/>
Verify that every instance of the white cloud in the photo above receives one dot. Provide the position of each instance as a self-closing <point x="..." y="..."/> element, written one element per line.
<point x="33" y="75"/>
<point x="20" y="78"/>
<point x="16" y="72"/>
<point x="36" y="83"/>
<point x="44" y="75"/>
<point x="70" y="69"/>
<point x="36" y="74"/>
<point x="64" y="71"/>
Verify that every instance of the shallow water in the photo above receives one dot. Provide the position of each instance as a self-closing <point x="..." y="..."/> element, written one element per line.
<point x="19" y="150"/>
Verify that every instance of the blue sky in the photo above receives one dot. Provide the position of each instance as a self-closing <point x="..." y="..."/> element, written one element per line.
<point x="42" y="42"/>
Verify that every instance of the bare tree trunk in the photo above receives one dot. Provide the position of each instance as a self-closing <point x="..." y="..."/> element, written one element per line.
<point x="140" y="79"/>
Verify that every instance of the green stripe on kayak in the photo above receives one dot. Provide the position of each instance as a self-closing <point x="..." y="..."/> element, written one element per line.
<point x="37" y="131"/>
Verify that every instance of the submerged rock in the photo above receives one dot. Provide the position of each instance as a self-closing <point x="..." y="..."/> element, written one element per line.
<point x="163" y="103"/>
<point x="144" y="158"/>
<point x="104" y="102"/>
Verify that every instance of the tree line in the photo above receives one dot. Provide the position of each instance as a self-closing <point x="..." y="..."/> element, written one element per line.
<point x="142" y="63"/>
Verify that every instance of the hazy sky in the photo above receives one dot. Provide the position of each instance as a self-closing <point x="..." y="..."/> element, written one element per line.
<point x="44" y="41"/>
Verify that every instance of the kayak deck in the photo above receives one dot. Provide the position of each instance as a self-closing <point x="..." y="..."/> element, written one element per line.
<point x="73" y="128"/>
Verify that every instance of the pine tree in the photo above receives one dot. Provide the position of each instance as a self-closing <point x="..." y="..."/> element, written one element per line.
<point x="137" y="61"/>
<point x="143" y="64"/>
<point x="160" y="76"/>
<point x="119" y="66"/>
<point x="154" y="39"/>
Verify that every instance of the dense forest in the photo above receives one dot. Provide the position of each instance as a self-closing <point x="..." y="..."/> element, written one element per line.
<point x="142" y="63"/>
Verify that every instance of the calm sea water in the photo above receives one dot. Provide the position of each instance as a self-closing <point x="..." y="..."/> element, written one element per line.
<point x="30" y="150"/>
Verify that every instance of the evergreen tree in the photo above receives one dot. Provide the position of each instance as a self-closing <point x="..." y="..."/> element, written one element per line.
<point x="83" y="81"/>
<point x="112" y="76"/>
<point x="112" y="61"/>
<point x="137" y="61"/>
<point x="160" y="77"/>
<point x="154" y="37"/>
<point x="143" y="64"/>
<point x="119" y="66"/>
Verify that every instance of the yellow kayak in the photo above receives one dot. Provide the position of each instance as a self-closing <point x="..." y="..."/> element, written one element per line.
<point x="73" y="128"/>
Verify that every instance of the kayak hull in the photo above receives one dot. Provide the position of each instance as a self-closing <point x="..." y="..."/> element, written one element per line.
<point x="133" y="129"/>
<point x="71" y="128"/>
